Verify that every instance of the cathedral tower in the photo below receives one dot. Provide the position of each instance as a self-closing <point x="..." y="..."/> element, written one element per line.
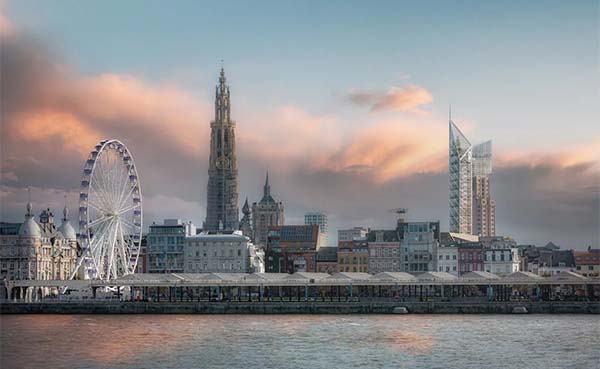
<point x="222" y="193"/>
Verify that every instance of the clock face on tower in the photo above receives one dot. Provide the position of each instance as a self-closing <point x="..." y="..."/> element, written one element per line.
<point x="222" y="162"/>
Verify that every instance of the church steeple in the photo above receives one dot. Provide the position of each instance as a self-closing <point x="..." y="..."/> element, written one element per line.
<point x="222" y="208"/>
<point x="246" y="207"/>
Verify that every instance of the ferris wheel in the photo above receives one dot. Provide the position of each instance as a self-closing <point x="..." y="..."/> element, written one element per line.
<point x="110" y="213"/>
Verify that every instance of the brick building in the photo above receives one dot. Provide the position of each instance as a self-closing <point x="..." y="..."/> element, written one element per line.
<point x="292" y="248"/>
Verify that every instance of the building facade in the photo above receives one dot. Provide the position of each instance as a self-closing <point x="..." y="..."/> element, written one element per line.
<point x="222" y="190"/>
<point x="460" y="193"/>
<point x="266" y="213"/>
<point x="165" y="246"/>
<point x="292" y="248"/>
<point x="327" y="260"/>
<point x="502" y="261"/>
<point x="353" y="256"/>
<point x="384" y="251"/>
<point x="484" y="208"/>
<point x="447" y="260"/>
<point x="419" y="243"/>
<point x="470" y="258"/>
<point x="352" y="234"/>
<point x="41" y="251"/>
<point x="222" y="252"/>
<point x="320" y="219"/>
<point x="588" y="262"/>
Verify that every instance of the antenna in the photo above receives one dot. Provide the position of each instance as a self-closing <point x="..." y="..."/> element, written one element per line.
<point x="450" y="112"/>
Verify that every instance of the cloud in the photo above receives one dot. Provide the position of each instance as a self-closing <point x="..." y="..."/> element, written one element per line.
<point x="52" y="115"/>
<point x="395" y="99"/>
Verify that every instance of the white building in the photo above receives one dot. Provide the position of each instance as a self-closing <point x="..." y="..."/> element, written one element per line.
<point x="447" y="260"/>
<point x="37" y="250"/>
<point x="502" y="260"/>
<point x="345" y="235"/>
<point x="319" y="219"/>
<point x="222" y="252"/>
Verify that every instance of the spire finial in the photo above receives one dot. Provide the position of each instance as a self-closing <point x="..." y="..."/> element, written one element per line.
<point x="29" y="206"/>
<point x="450" y="112"/>
<point x="222" y="74"/>
<point x="65" y="210"/>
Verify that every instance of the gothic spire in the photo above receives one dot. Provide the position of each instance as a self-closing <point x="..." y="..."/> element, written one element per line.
<point x="267" y="188"/>
<point x="246" y="207"/>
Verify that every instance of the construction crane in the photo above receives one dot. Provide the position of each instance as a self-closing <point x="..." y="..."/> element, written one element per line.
<point x="401" y="213"/>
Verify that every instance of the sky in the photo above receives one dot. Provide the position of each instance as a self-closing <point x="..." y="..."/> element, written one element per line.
<point x="344" y="102"/>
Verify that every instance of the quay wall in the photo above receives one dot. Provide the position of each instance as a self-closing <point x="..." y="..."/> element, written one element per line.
<point x="80" y="307"/>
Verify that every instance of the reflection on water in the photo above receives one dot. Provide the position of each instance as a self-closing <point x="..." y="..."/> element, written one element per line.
<point x="299" y="341"/>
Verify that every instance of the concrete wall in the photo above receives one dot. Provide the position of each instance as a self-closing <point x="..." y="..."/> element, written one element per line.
<point x="295" y="307"/>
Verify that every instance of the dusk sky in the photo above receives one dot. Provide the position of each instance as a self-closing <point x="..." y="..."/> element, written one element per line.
<point x="345" y="103"/>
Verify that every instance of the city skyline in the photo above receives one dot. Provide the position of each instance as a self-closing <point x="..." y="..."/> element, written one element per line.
<point x="392" y="152"/>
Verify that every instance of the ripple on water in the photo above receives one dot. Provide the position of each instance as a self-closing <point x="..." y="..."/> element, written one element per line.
<point x="299" y="341"/>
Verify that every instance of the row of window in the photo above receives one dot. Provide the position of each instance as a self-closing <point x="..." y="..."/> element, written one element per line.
<point x="215" y="253"/>
<point x="170" y="240"/>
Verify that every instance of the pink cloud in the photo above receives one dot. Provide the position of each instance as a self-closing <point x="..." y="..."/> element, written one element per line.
<point x="395" y="99"/>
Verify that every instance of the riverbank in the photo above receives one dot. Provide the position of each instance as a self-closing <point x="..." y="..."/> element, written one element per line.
<point x="543" y="307"/>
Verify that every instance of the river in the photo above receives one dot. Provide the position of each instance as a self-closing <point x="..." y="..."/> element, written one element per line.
<point x="300" y="341"/>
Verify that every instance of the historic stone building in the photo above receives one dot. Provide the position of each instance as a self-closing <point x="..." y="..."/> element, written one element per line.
<point x="246" y="221"/>
<point x="222" y="252"/>
<point x="266" y="213"/>
<point x="35" y="250"/>
<point x="222" y="191"/>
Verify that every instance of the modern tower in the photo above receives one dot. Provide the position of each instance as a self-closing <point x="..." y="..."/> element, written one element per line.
<point x="484" y="208"/>
<point x="222" y="194"/>
<point x="460" y="170"/>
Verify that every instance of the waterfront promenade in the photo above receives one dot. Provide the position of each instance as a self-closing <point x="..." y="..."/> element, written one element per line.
<point x="431" y="292"/>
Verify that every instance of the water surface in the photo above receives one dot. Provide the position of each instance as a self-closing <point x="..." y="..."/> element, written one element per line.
<point x="299" y="341"/>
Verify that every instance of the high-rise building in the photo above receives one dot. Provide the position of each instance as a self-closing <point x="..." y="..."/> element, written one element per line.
<point x="222" y="191"/>
<point x="460" y="172"/>
<point x="266" y="213"/>
<point x="484" y="208"/>
<point x="319" y="219"/>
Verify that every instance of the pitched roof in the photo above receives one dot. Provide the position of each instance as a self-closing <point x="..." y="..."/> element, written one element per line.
<point x="568" y="277"/>
<point x="522" y="276"/>
<point x="349" y="276"/>
<point x="394" y="276"/>
<point x="479" y="275"/>
<point x="435" y="276"/>
<point x="306" y="276"/>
